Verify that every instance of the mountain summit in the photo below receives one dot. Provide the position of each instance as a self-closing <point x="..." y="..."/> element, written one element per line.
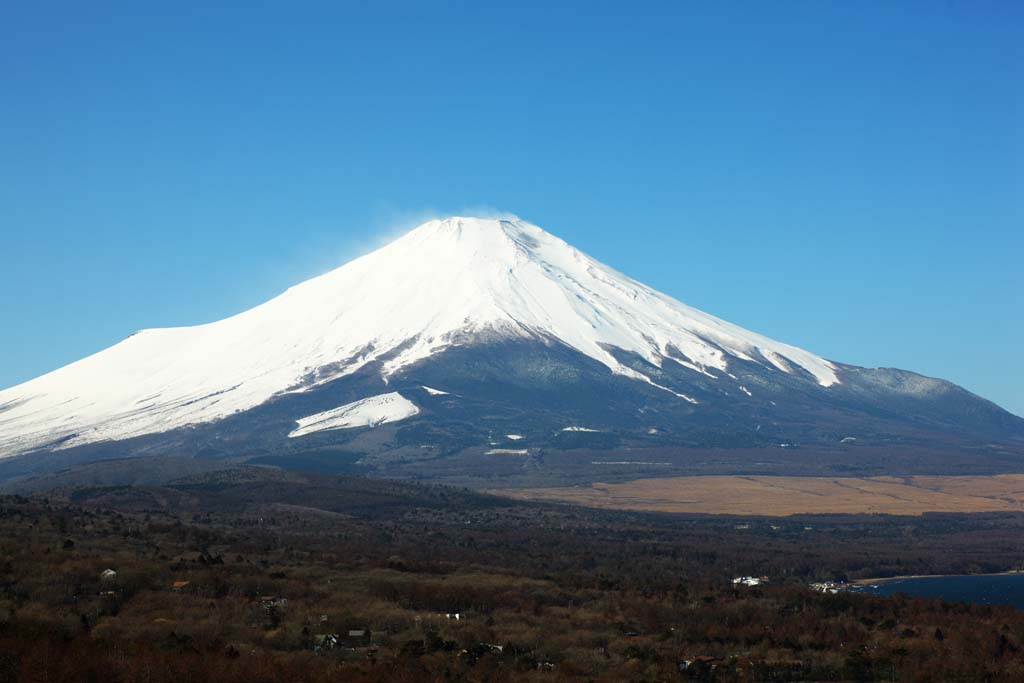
<point x="499" y="313"/>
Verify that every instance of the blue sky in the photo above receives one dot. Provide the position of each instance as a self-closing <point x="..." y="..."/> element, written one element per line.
<point x="846" y="177"/>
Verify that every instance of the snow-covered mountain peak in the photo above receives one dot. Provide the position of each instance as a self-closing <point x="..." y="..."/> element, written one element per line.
<point x="474" y="229"/>
<point x="478" y="242"/>
<point x="449" y="282"/>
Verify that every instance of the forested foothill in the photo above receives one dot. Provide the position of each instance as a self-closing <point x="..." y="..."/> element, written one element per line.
<point x="258" y="575"/>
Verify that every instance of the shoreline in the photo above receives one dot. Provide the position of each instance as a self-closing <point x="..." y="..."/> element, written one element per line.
<point x="888" y="579"/>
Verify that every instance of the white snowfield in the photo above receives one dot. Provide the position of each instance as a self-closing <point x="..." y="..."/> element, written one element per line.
<point x="446" y="283"/>
<point x="367" y="412"/>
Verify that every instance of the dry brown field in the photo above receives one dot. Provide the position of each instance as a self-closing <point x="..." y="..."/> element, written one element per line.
<point x="779" y="496"/>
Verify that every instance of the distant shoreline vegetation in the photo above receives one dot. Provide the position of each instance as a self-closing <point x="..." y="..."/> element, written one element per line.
<point x="890" y="579"/>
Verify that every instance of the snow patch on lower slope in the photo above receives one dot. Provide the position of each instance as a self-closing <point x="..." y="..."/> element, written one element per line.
<point x="366" y="412"/>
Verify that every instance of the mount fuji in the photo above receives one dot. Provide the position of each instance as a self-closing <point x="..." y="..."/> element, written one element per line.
<point x="484" y="344"/>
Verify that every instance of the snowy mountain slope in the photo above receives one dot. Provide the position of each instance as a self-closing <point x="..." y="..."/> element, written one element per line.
<point x="447" y="284"/>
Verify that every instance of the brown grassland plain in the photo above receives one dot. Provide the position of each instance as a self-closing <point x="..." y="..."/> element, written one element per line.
<point x="779" y="496"/>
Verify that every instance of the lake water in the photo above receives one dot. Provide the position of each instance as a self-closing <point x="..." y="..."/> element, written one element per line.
<point x="983" y="589"/>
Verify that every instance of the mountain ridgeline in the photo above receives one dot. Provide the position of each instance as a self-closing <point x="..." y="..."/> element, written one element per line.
<point x="477" y="348"/>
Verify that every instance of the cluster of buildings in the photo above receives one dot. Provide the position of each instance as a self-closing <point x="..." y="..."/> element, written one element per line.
<point x="830" y="586"/>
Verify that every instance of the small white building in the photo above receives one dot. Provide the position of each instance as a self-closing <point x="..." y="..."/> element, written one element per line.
<point x="749" y="580"/>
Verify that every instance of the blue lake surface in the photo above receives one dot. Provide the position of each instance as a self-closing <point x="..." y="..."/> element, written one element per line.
<point x="982" y="589"/>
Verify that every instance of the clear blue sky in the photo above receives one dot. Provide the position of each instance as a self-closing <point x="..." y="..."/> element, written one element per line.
<point x="842" y="176"/>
